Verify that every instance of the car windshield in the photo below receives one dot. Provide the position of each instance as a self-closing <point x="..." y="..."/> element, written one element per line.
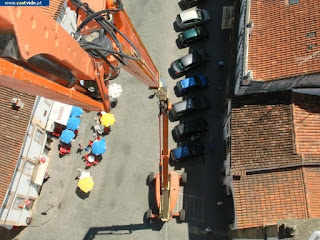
<point x="179" y="65"/>
<point x="190" y="33"/>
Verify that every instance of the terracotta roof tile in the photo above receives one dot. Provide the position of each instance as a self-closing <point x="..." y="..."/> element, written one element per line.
<point x="262" y="131"/>
<point x="13" y="128"/>
<point x="262" y="199"/>
<point x="306" y="115"/>
<point x="312" y="182"/>
<point x="278" y="46"/>
<point x="270" y="131"/>
<point x="54" y="9"/>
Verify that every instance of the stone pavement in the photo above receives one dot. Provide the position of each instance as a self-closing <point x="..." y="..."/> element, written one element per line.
<point x="60" y="169"/>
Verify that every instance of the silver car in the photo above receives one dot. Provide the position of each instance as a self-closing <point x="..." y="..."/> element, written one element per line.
<point x="191" y="18"/>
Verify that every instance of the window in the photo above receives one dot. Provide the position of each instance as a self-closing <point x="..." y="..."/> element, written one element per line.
<point x="45" y="113"/>
<point x="28" y="168"/>
<point x="293" y="2"/>
<point x="18" y="203"/>
<point x="38" y="136"/>
<point x="29" y="204"/>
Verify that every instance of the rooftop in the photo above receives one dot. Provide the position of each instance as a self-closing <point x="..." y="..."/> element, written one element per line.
<point x="275" y="140"/>
<point x="13" y="127"/>
<point x="284" y="40"/>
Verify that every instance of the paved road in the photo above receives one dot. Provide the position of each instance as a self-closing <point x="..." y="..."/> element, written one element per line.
<point x="115" y="208"/>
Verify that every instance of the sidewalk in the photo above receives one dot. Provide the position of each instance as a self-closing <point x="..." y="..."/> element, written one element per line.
<point x="60" y="170"/>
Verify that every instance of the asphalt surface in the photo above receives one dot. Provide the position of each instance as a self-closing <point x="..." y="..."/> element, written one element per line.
<point x="115" y="207"/>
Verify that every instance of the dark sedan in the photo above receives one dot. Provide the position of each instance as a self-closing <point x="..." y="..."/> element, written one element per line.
<point x="187" y="106"/>
<point x="192" y="35"/>
<point x="192" y="127"/>
<point x="180" y="66"/>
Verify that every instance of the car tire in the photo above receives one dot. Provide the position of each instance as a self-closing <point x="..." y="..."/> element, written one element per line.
<point x="184" y="178"/>
<point x="182" y="216"/>
<point x="151" y="177"/>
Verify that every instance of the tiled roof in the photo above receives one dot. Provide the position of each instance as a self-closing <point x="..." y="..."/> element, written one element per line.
<point x="262" y="199"/>
<point x="13" y="128"/>
<point x="281" y="37"/>
<point x="54" y="9"/>
<point x="306" y="117"/>
<point x="262" y="131"/>
<point x="269" y="131"/>
<point x="312" y="182"/>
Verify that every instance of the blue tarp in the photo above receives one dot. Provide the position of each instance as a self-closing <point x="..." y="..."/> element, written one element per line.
<point x="99" y="147"/>
<point x="76" y="111"/>
<point x="66" y="136"/>
<point x="73" y="123"/>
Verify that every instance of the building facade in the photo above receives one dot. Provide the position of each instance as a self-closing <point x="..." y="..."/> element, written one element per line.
<point x="25" y="149"/>
<point x="278" y="47"/>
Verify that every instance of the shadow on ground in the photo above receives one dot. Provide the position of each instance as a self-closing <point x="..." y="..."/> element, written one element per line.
<point x="122" y="229"/>
<point x="10" y="234"/>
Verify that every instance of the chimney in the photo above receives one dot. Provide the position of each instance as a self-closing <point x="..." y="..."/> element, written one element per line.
<point x="16" y="103"/>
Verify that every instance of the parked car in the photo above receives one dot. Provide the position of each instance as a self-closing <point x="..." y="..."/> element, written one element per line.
<point x="188" y="84"/>
<point x="192" y="35"/>
<point x="192" y="127"/>
<point x="193" y="149"/>
<point x="190" y="3"/>
<point x="190" y="18"/>
<point x="187" y="106"/>
<point x="180" y="66"/>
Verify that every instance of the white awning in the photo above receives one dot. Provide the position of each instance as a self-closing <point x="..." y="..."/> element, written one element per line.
<point x="60" y="113"/>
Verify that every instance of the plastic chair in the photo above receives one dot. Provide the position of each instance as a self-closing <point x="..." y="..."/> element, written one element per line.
<point x="89" y="164"/>
<point x="95" y="162"/>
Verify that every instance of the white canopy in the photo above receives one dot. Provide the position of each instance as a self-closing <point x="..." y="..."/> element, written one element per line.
<point x="60" y="113"/>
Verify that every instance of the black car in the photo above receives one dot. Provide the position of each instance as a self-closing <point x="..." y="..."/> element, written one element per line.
<point x="180" y="66"/>
<point x="188" y="128"/>
<point x="190" y="3"/>
<point x="192" y="35"/>
<point x="193" y="149"/>
<point x="187" y="106"/>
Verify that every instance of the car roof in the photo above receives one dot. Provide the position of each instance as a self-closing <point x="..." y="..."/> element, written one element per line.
<point x="187" y="59"/>
<point x="180" y="105"/>
<point x="188" y="15"/>
<point x="190" y="33"/>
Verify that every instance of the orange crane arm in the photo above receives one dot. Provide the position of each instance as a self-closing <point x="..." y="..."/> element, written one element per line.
<point x="37" y="47"/>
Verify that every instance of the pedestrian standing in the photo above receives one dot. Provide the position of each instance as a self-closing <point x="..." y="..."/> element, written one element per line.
<point x="221" y="64"/>
<point x="96" y="120"/>
<point x="219" y="203"/>
<point x="80" y="148"/>
<point x="46" y="176"/>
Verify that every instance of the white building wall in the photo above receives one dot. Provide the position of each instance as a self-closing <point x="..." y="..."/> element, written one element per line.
<point x="22" y="185"/>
